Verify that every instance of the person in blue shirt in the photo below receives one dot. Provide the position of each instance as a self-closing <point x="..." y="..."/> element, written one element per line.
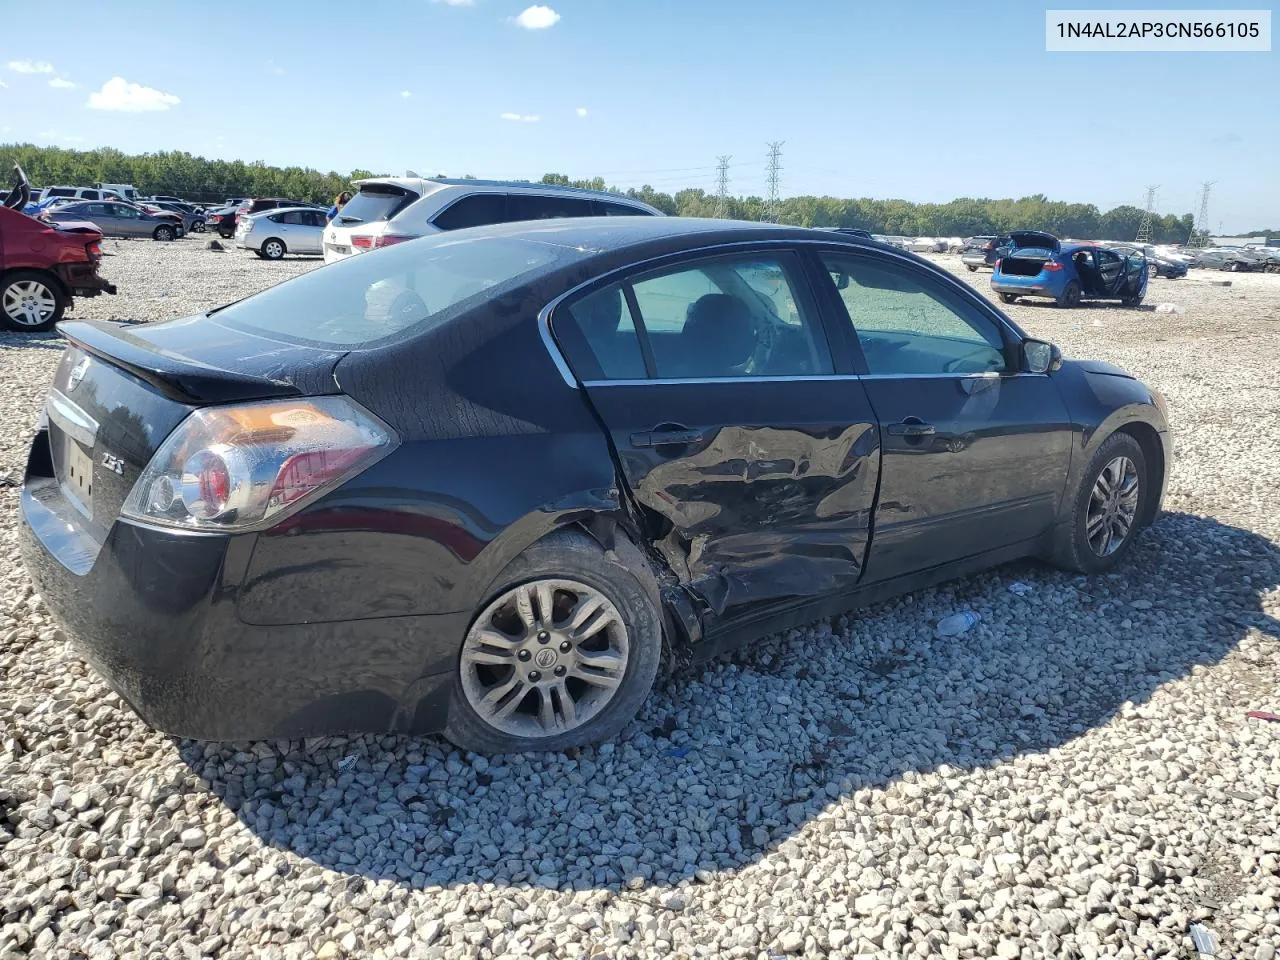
<point x="341" y="201"/>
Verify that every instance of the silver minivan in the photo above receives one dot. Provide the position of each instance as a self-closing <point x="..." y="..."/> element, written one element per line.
<point x="388" y="210"/>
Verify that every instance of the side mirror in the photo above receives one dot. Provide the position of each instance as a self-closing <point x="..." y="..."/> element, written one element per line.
<point x="1039" y="356"/>
<point x="842" y="280"/>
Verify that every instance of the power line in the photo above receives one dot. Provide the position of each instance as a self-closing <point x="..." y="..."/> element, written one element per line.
<point x="773" y="179"/>
<point x="1144" y="228"/>
<point x="1200" y="229"/>
<point x="722" y="186"/>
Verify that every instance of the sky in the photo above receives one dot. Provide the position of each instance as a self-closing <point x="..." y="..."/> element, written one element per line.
<point x="926" y="101"/>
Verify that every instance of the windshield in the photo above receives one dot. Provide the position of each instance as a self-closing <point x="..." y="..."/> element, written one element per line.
<point x="374" y="202"/>
<point x="385" y="293"/>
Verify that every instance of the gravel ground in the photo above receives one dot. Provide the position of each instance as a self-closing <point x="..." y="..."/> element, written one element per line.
<point x="1074" y="777"/>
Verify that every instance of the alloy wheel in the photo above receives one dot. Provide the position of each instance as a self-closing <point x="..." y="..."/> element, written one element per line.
<point x="29" y="303"/>
<point x="1113" y="507"/>
<point x="544" y="658"/>
<point x="273" y="249"/>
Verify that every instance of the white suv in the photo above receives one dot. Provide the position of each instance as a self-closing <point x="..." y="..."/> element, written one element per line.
<point x="389" y="210"/>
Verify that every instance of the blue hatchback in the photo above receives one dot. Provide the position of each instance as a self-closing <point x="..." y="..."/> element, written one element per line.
<point x="1039" y="265"/>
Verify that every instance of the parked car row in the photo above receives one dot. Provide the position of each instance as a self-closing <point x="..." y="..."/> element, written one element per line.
<point x="116" y="218"/>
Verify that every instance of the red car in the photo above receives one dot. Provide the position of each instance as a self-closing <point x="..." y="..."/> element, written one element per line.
<point x="44" y="265"/>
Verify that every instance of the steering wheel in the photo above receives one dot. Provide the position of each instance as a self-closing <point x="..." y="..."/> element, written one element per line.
<point x="951" y="365"/>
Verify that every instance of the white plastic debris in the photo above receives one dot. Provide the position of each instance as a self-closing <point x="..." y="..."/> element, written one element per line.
<point x="957" y="623"/>
<point x="1202" y="939"/>
<point x="1098" y="323"/>
<point x="1169" y="308"/>
<point x="1019" y="589"/>
<point x="346" y="763"/>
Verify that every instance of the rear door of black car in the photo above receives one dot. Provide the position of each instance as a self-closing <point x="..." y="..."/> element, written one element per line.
<point x="752" y="458"/>
<point x="974" y="451"/>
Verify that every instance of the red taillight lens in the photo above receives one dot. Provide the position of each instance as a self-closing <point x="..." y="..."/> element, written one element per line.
<point x="240" y="467"/>
<point x="1052" y="267"/>
<point x="214" y="218"/>
<point x="389" y="240"/>
<point x="361" y="242"/>
<point x="998" y="262"/>
<point x="304" y="472"/>
<point x="93" y="250"/>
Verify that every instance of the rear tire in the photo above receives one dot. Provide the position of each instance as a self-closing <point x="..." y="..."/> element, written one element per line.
<point x="163" y="233"/>
<point x="1008" y="298"/>
<point x="272" y="249"/>
<point x="30" y="301"/>
<point x="1132" y="301"/>
<point x="1081" y="544"/>
<point x="971" y="268"/>
<point x="1153" y="271"/>
<point x="197" y="226"/>
<point x="1070" y="296"/>
<point x="571" y="569"/>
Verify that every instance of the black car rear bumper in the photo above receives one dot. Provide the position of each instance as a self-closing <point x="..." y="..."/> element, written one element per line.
<point x="153" y="610"/>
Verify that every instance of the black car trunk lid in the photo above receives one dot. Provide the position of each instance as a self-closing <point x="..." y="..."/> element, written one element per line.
<point x="120" y="390"/>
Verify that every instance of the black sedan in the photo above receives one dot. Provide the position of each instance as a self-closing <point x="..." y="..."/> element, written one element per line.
<point x="1158" y="265"/>
<point x="478" y="481"/>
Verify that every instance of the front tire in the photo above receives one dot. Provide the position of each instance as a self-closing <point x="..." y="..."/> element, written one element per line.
<point x="272" y="249"/>
<point x="1153" y="271"/>
<point x="1070" y="296"/>
<point x="971" y="268"/>
<point x="1107" y="510"/>
<point x="163" y="233"/>
<point x="563" y="652"/>
<point x="1008" y="298"/>
<point x="30" y="302"/>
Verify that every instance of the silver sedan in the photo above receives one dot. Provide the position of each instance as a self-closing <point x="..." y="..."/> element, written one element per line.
<point x="273" y="233"/>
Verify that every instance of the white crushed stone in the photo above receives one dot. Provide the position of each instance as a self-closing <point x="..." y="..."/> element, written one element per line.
<point x="1072" y="777"/>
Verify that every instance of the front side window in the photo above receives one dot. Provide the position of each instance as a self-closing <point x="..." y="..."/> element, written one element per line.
<point x="738" y="317"/>
<point x="908" y="324"/>
<point x="477" y="210"/>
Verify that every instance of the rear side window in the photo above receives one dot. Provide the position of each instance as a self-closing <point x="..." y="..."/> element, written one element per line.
<point x="477" y="210"/>
<point x="732" y="317"/>
<point x="59" y="192"/>
<point x="375" y="202"/>
<point x="620" y="210"/>
<point x="89" y="195"/>
<point x="411" y="286"/>
<point x="525" y="206"/>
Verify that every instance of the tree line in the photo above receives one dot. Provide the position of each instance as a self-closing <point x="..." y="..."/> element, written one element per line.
<point x="181" y="174"/>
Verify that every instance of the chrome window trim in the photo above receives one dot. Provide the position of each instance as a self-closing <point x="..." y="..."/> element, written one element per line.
<point x="657" y="381"/>
<point x="640" y="266"/>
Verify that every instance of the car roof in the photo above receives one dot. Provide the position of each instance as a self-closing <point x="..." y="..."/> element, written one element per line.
<point x="271" y="212"/>
<point x="607" y="234"/>
<point x="425" y="186"/>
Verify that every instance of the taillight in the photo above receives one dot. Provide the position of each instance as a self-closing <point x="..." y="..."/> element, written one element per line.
<point x="998" y="262"/>
<point x="214" y="218"/>
<point x="389" y="240"/>
<point x="1051" y="266"/>
<point x="93" y="250"/>
<point x="245" y="466"/>
<point x="362" y="241"/>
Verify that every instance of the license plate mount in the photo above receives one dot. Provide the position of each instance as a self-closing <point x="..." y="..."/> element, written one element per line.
<point x="78" y="478"/>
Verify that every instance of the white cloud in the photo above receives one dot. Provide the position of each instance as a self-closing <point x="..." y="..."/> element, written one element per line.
<point x="58" y="83"/>
<point x="456" y="3"/>
<point x="30" y="66"/>
<point x="273" y="67"/>
<point x="121" y="95"/>
<point x="538" y="17"/>
<point x="405" y="94"/>
<point x="3" y="85"/>
<point x="581" y="111"/>
<point x="521" y="117"/>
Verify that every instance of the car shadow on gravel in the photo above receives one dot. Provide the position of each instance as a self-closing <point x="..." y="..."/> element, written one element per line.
<point x="48" y="340"/>
<point x="729" y="759"/>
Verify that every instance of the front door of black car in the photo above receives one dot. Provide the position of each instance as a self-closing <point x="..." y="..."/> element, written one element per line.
<point x="975" y="452"/>
<point x="752" y="463"/>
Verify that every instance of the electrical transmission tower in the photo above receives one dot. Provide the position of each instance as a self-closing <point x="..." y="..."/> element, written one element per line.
<point x="1199" y="232"/>
<point x="773" y="178"/>
<point x="1149" y="211"/>
<point x="722" y="187"/>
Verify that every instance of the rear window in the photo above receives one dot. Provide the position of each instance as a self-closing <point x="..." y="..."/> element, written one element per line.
<point x="375" y="202"/>
<point x="415" y="285"/>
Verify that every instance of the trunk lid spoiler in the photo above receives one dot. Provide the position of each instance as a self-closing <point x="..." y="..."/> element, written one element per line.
<point x="197" y="361"/>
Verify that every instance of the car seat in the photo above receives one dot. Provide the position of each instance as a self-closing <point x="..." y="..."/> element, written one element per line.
<point x="718" y="338"/>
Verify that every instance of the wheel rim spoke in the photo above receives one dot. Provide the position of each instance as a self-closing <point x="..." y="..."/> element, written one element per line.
<point x="546" y="604"/>
<point x="568" y="709"/>
<point x="585" y="619"/>
<point x="524" y="607"/>
<point x="546" y="710"/>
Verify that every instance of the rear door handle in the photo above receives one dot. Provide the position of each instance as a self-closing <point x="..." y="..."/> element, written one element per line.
<point x="665" y="437"/>
<point x="911" y="427"/>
